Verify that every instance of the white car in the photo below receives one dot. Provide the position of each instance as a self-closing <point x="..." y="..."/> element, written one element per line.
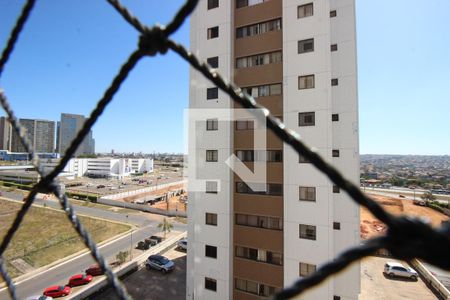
<point x="393" y="269"/>
<point x="182" y="245"/>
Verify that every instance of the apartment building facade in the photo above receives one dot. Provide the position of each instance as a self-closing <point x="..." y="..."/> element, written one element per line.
<point x="69" y="126"/>
<point x="298" y="59"/>
<point x="41" y="134"/>
<point x="5" y="134"/>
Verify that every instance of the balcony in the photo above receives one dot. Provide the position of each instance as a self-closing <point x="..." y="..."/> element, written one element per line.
<point x="257" y="13"/>
<point x="257" y="75"/>
<point x="259" y="238"/>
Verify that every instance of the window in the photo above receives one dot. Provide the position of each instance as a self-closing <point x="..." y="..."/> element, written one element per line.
<point x="212" y="93"/>
<point x="307" y="232"/>
<point x="306" y="119"/>
<point x="305" y="46"/>
<point x="334" y="82"/>
<point x="244" y="124"/>
<point x="213" y="32"/>
<point x="306" y="269"/>
<point x="241" y="3"/>
<point x="333" y="47"/>
<point x="336" y="226"/>
<point x="274" y="155"/>
<point x="211" y="187"/>
<point x="335" y="117"/>
<point x="211" y="219"/>
<point x="212" y="155"/>
<point x="259" y="28"/>
<point x="244" y="3"/>
<point x="258" y="60"/>
<point x="306" y="82"/>
<point x="259" y="255"/>
<point x="212" y="124"/>
<point x="272" y="189"/>
<point x="335" y="153"/>
<point x="302" y="159"/>
<point x="213" y="4"/>
<point x="255" y="288"/>
<point x="210" y="284"/>
<point x="307" y="193"/>
<point x="210" y="251"/>
<point x="260" y="155"/>
<point x="305" y="10"/>
<point x="213" y="62"/>
<point x="336" y="298"/>
<point x="333" y="13"/>
<point x="259" y="221"/>
<point x="245" y="155"/>
<point x="263" y="90"/>
<point x="336" y="189"/>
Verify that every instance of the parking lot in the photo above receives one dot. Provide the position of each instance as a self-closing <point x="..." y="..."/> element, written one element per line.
<point x="103" y="186"/>
<point x="375" y="285"/>
<point x="152" y="284"/>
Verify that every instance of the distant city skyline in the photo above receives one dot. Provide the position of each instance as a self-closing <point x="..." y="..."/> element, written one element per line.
<point x="64" y="61"/>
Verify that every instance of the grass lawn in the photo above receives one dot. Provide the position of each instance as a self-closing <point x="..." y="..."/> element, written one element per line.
<point x="46" y="235"/>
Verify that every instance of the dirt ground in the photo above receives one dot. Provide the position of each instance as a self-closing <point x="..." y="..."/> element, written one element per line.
<point x="370" y="226"/>
<point x="174" y="204"/>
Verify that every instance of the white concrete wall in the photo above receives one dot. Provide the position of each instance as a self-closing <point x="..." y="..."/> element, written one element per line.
<point x="199" y="234"/>
<point x="325" y="136"/>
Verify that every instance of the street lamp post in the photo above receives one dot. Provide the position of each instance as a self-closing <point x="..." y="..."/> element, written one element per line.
<point x="131" y="245"/>
<point x="131" y="241"/>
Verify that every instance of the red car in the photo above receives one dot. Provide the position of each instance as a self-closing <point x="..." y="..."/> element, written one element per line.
<point x="57" y="291"/>
<point x="79" y="279"/>
<point x="94" y="270"/>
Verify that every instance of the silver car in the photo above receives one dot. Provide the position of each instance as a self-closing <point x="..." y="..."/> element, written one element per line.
<point x="393" y="269"/>
<point x="160" y="263"/>
<point x="182" y="245"/>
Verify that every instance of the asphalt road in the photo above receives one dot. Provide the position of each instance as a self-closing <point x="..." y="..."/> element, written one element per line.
<point x="60" y="273"/>
<point x="395" y="194"/>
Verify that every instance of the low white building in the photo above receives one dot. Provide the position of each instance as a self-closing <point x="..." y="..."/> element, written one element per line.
<point x="102" y="167"/>
<point x="118" y="167"/>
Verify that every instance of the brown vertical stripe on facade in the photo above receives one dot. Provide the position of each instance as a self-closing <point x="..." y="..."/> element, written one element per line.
<point x="252" y="237"/>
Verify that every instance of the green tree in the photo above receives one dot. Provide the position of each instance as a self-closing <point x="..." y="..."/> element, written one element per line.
<point x="165" y="226"/>
<point x="122" y="257"/>
<point x="428" y="196"/>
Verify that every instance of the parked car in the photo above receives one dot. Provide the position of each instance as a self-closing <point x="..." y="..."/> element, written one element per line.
<point x="393" y="269"/>
<point x="57" y="291"/>
<point x="182" y="244"/>
<point x="39" y="297"/>
<point x="79" y="279"/>
<point x="401" y="196"/>
<point x="157" y="238"/>
<point x="419" y="202"/>
<point x="159" y="262"/>
<point x="94" y="270"/>
<point x="100" y="186"/>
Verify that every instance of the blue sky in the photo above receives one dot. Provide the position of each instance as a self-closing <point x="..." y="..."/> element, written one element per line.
<point x="70" y="51"/>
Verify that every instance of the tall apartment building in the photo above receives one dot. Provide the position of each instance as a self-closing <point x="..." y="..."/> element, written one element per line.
<point x="41" y="134"/>
<point x="297" y="58"/>
<point x="5" y="134"/>
<point x="69" y="126"/>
